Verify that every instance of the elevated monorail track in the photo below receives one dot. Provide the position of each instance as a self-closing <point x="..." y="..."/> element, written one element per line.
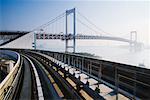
<point x="55" y="75"/>
<point x="126" y="79"/>
<point x="65" y="84"/>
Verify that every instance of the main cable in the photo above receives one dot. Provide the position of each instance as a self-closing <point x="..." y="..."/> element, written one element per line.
<point x="86" y="25"/>
<point x="92" y="23"/>
<point x="50" y="22"/>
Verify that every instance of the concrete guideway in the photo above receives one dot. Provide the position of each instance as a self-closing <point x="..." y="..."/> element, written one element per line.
<point x="25" y="92"/>
<point x="69" y="77"/>
<point x="105" y="91"/>
<point x="76" y="61"/>
<point x="58" y="83"/>
<point x="86" y="92"/>
<point x="54" y="71"/>
<point x="38" y="83"/>
<point x="48" y="89"/>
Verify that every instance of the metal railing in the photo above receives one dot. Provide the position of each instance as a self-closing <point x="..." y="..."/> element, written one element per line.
<point x="9" y="84"/>
<point x="135" y="79"/>
<point x="131" y="81"/>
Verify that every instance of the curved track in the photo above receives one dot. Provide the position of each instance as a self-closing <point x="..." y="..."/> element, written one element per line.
<point x="25" y="92"/>
<point x="44" y="79"/>
<point x="27" y="88"/>
<point x="55" y="79"/>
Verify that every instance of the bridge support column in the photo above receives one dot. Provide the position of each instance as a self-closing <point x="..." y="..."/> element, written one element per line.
<point x="68" y="12"/>
<point x="133" y="38"/>
<point x="34" y="43"/>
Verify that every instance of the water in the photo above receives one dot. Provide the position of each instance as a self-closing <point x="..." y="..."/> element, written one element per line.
<point x="111" y="51"/>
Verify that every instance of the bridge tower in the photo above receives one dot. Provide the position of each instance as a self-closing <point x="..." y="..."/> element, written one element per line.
<point x="133" y="38"/>
<point x="34" y="42"/>
<point x="68" y="12"/>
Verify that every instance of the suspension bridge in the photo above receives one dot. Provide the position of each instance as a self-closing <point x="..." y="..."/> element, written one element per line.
<point x="54" y="26"/>
<point x="65" y="26"/>
<point x="66" y="75"/>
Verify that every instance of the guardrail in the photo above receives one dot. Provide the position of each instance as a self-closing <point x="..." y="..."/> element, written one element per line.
<point x="132" y="81"/>
<point x="126" y="79"/>
<point x="9" y="84"/>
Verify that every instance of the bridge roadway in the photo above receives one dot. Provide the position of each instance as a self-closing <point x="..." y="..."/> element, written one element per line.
<point x="80" y="36"/>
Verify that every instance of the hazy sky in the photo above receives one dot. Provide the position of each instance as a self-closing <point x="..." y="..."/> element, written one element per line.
<point x="116" y="17"/>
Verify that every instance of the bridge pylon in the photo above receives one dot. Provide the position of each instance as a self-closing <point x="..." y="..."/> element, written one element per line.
<point x="34" y="41"/>
<point x="133" y="38"/>
<point x="68" y="12"/>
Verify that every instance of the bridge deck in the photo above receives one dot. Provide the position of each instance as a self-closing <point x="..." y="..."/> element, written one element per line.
<point x="70" y="37"/>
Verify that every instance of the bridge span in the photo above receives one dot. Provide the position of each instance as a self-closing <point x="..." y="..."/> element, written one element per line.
<point x="80" y="36"/>
<point x="58" y="75"/>
<point x="59" y="28"/>
<point x="45" y="36"/>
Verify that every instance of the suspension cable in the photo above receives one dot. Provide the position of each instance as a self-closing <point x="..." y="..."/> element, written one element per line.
<point x="50" y="22"/>
<point x="93" y="23"/>
<point x="86" y="26"/>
